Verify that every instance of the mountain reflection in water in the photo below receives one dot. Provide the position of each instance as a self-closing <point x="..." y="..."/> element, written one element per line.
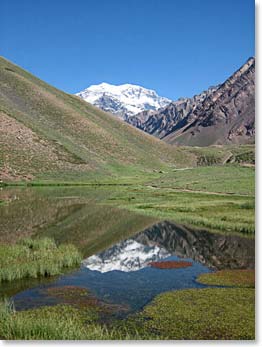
<point x="165" y="239"/>
<point x="122" y="274"/>
<point x="128" y="255"/>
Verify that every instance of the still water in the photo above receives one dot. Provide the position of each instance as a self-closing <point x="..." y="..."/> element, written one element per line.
<point x="116" y="268"/>
<point x="122" y="273"/>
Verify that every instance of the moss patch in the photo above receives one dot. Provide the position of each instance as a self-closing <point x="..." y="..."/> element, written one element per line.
<point x="199" y="314"/>
<point x="238" y="278"/>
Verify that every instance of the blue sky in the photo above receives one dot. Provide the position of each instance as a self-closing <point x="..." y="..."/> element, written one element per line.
<point x="177" y="47"/>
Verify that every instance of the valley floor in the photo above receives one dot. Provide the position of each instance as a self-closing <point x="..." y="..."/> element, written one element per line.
<point x="96" y="215"/>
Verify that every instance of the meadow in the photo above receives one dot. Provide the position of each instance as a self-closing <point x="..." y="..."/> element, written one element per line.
<point x="218" y="198"/>
<point x="46" y="225"/>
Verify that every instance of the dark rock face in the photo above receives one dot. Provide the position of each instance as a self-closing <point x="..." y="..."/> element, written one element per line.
<point x="164" y="121"/>
<point x="216" y="251"/>
<point x="221" y="115"/>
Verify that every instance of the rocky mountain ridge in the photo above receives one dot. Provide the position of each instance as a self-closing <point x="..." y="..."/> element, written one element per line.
<point x="222" y="115"/>
<point x="162" y="122"/>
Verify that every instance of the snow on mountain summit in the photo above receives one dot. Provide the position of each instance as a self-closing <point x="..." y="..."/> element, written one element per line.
<point x="128" y="255"/>
<point x="123" y="100"/>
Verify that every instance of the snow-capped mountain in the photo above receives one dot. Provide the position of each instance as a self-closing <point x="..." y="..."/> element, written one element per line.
<point x="128" y="255"/>
<point x="123" y="100"/>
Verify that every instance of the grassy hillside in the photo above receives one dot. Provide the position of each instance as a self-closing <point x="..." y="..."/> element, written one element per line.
<point x="47" y="134"/>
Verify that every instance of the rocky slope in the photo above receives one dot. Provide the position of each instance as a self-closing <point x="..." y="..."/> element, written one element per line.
<point x="162" y="122"/>
<point x="221" y="115"/>
<point x="124" y="100"/>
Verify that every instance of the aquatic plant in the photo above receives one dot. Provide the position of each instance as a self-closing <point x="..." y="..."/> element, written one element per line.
<point x="170" y="264"/>
<point x="34" y="258"/>
<point x="82" y="298"/>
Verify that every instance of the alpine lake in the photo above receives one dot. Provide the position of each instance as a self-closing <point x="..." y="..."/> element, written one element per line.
<point x="133" y="264"/>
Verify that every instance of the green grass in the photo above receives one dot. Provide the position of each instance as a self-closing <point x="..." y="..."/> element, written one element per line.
<point x="239" y="278"/>
<point x="219" y="155"/>
<point x="198" y="314"/>
<point x="33" y="258"/>
<point x="217" y="198"/>
<point x="230" y="179"/>
<point x="60" y="322"/>
<point x="224" y="213"/>
<point x="193" y="314"/>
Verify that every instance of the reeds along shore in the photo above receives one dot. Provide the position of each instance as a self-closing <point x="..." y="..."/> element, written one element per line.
<point x="34" y="258"/>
